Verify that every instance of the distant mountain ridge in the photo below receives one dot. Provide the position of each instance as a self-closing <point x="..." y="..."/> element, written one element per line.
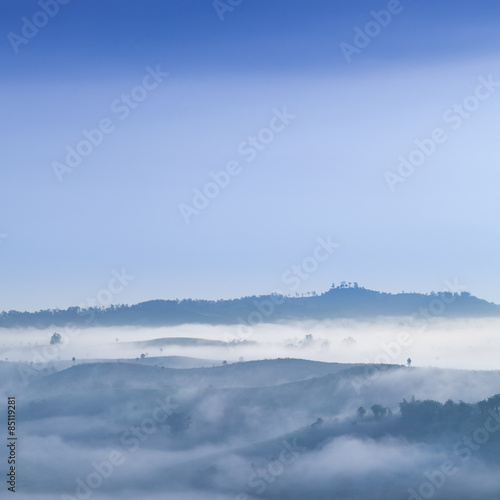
<point x="340" y="302"/>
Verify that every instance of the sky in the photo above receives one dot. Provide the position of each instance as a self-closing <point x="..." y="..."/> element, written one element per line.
<point x="223" y="143"/>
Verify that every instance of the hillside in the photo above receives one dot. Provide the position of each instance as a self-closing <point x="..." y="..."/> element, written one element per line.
<point x="340" y="302"/>
<point x="271" y="429"/>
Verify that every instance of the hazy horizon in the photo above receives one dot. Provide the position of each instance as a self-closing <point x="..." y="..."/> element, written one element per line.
<point x="443" y="343"/>
<point x="448" y="287"/>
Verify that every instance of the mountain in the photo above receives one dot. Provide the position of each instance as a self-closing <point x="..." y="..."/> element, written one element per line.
<point x="340" y="302"/>
<point x="276" y="429"/>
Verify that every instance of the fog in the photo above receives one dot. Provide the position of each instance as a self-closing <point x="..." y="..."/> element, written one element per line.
<point x="267" y="412"/>
<point x="444" y="343"/>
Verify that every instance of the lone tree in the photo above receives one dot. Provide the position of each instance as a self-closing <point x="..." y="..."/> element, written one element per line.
<point x="55" y="339"/>
<point x="361" y="412"/>
<point x="408" y="362"/>
<point x="178" y="422"/>
<point x="318" y="422"/>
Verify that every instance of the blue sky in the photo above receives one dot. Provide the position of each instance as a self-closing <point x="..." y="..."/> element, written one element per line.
<point x="322" y="175"/>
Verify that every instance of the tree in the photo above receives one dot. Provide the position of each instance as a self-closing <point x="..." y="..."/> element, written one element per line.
<point x="318" y="422"/>
<point x="178" y="422"/>
<point x="55" y="339"/>
<point x="224" y="362"/>
<point x="361" y="412"/>
<point x="307" y="340"/>
<point x="464" y="409"/>
<point x="494" y="402"/>
<point x="425" y="412"/>
<point x="408" y="362"/>
<point x="143" y="356"/>
<point x="483" y="406"/>
<point x="379" y="411"/>
<point x="73" y="359"/>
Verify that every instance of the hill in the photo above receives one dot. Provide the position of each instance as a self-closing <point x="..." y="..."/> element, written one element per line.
<point x="340" y="302"/>
<point x="272" y="429"/>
